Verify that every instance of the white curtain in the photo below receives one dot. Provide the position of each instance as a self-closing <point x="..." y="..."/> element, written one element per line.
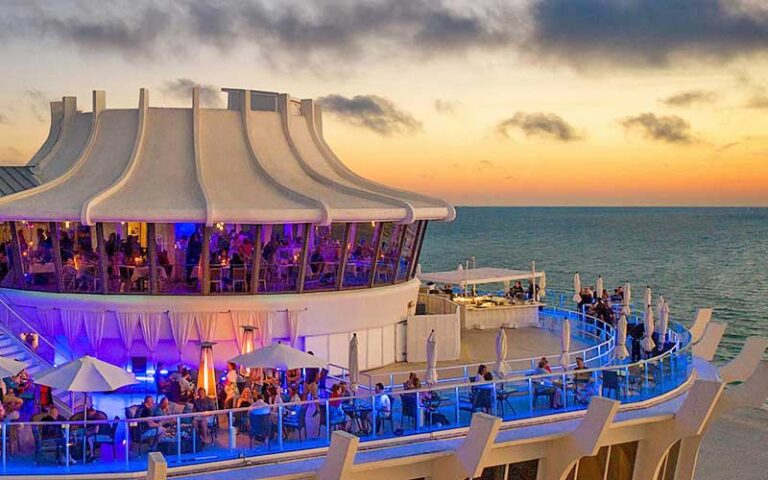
<point x="47" y="318"/>
<point x="127" y="323"/>
<point x="94" y="329"/>
<point x="71" y="323"/>
<point x="206" y="325"/>
<point x="150" y="329"/>
<point x="264" y="321"/>
<point x="293" y="327"/>
<point x="181" y="329"/>
<point x="241" y="319"/>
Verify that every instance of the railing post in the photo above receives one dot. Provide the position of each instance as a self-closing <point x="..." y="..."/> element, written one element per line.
<point x="457" y="408"/>
<point x="280" y="427"/>
<point x="530" y="395"/>
<point x="127" y="444"/>
<point x="66" y="444"/>
<point x="565" y="392"/>
<point x="178" y="434"/>
<point x="232" y="431"/>
<point x="494" y="400"/>
<point x="327" y="421"/>
<point x="5" y="446"/>
<point x="374" y="414"/>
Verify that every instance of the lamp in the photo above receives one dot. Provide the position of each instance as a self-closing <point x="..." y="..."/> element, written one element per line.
<point x="248" y="344"/>
<point x="206" y="375"/>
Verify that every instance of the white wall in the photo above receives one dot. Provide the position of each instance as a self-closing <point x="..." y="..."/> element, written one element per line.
<point x="447" y="329"/>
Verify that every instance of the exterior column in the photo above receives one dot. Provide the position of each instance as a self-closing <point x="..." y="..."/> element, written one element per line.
<point x="468" y="460"/>
<point x="18" y="271"/>
<point x="103" y="262"/>
<point x="56" y="243"/>
<point x="256" y="261"/>
<point x="304" y="260"/>
<point x="343" y="257"/>
<point x="376" y="253"/>
<point x="152" y="253"/>
<point x="205" y="260"/>
<point x="340" y="457"/>
<point x="417" y="245"/>
<point x="396" y="270"/>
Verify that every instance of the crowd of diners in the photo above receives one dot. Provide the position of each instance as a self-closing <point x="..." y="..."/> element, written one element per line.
<point x="371" y="253"/>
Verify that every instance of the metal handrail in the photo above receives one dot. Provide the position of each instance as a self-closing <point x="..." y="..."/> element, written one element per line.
<point x="33" y="329"/>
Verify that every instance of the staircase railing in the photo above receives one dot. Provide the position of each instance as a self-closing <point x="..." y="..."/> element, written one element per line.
<point x="27" y="326"/>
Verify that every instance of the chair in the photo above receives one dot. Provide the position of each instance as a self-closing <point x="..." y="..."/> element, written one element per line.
<point x="260" y="427"/>
<point x="105" y="435"/>
<point x="44" y="444"/>
<point x="336" y="421"/>
<point x="408" y="408"/>
<point x="297" y="422"/>
<point x="239" y="278"/>
<point x="541" y="389"/>
<point x="134" y="429"/>
<point x="215" y="281"/>
<point x="611" y="382"/>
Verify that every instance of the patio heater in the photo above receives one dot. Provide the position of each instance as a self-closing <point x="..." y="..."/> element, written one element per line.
<point x="206" y="375"/>
<point x="249" y="334"/>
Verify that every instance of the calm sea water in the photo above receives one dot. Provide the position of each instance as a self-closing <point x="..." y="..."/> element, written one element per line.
<point x="695" y="257"/>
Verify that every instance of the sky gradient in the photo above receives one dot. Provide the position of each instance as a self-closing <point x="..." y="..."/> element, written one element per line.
<point x="538" y="102"/>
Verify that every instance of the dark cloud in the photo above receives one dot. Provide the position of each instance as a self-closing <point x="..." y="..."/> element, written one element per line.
<point x="690" y="97"/>
<point x="181" y="88"/>
<point x="372" y="112"/>
<point x="546" y="125"/>
<point x="668" y="129"/>
<point x="645" y="32"/>
<point x="446" y="106"/>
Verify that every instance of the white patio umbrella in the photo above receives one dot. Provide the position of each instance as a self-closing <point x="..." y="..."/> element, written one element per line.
<point x="648" y="296"/>
<point x="659" y="309"/>
<point x="648" y="343"/>
<point x="280" y="356"/>
<point x="354" y="365"/>
<point x="418" y="270"/>
<point x="86" y="375"/>
<point x="10" y="367"/>
<point x="565" y="343"/>
<point x="620" y="352"/>
<point x="626" y="310"/>
<point x="534" y="295"/>
<point x="500" y="367"/>
<point x="576" y="287"/>
<point x="431" y="375"/>
<point x="599" y="287"/>
<point x="543" y="285"/>
<point x="663" y="322"/>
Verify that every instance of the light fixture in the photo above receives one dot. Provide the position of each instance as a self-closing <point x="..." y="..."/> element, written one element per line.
<point x="206" y="375"/>
<point x="248" y="344"/>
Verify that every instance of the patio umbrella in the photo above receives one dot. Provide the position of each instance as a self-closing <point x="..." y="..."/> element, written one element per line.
<point x="648" y="296"/>
<point x="500" y="367"/>
<point x="620" y="352"/>
<point x="577" y="288"/>
<point x="663" y="322"/>
<point x="565" y="343"/>
<point x="431" y="375"/>
<point x="279" y="356"/>
<point x="626" y="310"/>
<point x="659" y="310"/>
<point x="543" y="285"/>
<point x="10" y="367"/>
<point x="354" y="365"/>
<point x="533" y="281"/>
<point x="86" y="375"/>
<point x="418" y="270"/>
<point x="599" y="287"/>
<point x="647" y="343"/>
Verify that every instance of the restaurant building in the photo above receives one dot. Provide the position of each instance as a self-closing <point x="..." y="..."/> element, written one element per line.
<point x="140" y="233"/>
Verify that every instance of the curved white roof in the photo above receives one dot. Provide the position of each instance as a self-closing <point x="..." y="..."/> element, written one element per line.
<point x="261" y="160"/>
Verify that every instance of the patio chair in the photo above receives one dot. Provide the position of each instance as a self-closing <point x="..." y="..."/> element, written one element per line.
<point x="215" y="280"/>
<point x="239" y="279"/>
<point x="408" y="408"/>
<point x="336" y="421"/>
<point x="260" y="428"/>
<point x="134" y="429"/>
<point x="44" y="444"/>
<point x="611" y="383"/>
<point x="105" y="435"/>
<point x="297" y="422"/>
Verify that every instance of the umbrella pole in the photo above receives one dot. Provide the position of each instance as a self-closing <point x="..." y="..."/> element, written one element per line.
<point x="85" y="421"/>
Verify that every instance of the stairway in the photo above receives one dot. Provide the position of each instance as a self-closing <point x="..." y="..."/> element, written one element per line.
<point x="12" y="346"/>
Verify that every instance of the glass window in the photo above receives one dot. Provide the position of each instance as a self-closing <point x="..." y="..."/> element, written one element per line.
<point x="408" y="251"/>
<point x="389" y="254"/>
<point x="231" y="258"/>
<point x="280" y="257"/>
<point x="523" y="470"/>
<point x="362" y="248"/>
<point x="324" y="253"/>
<point x="622" y="463"/>
<point x="593" y="468"/>
<point x="79" y="259"/>
<point x="6" y="253"/>
<point x="125" y="244"/>
<point x="179" y="247"/>
<point x="36" y="244"/>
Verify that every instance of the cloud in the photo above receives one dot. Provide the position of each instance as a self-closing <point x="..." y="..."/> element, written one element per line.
<point x="4" y="119"/>
<point x="727" y="146"/>
<point x="668" y="129"/>
<point x="758" y="100"/>
<point x="181" y="88"/>
<point x="546" y="125"/>
<point x="372" y="112"/>
<point x="446" y="106"/>
<point x="484" y="165"/>
<point x="40" y="103"/>
<point x="645" y="32"/>
<point x="690" y="97"/>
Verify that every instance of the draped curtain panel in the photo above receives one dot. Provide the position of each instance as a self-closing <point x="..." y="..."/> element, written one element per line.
<point x="127" y="323"/>
<point x="242" y="319"/>
<point x="47" y="318"/>
<point x="181" y="329"/>
<point x="150" y="329"/>
<point x="293" y="327"/>
<point x="264" y="322"/>
<point x="71" y="324"/>
<point x="94" y="329"/>
<point x="206" y="326"/>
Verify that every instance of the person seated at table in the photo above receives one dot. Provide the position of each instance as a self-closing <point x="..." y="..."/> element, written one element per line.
<point x="517" y="290"/>
<point x="151" y="430"/>
<point x="481" y="371"/>
<point x="546" y="386"/>
<point x="56" y="432"/>
<point x="202" y="403"/>
<point x="334" y="405"/>
<point x="293" y="377"/>
<point x="316" y="262"/>
<point x="584" y="395"/>
<point x="529" y="292"/>
<point x="383" y="406"/>
<point x="255" y="380"/>
<point x="448" y="290"/>
<point x="410" y="383"/>
<point x="344" y="389"/>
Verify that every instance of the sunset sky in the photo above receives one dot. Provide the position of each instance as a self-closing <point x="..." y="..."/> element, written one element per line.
<point x="535" y="102"/>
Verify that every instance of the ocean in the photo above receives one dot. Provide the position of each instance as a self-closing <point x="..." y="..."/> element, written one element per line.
<point x="695" y="257"/>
